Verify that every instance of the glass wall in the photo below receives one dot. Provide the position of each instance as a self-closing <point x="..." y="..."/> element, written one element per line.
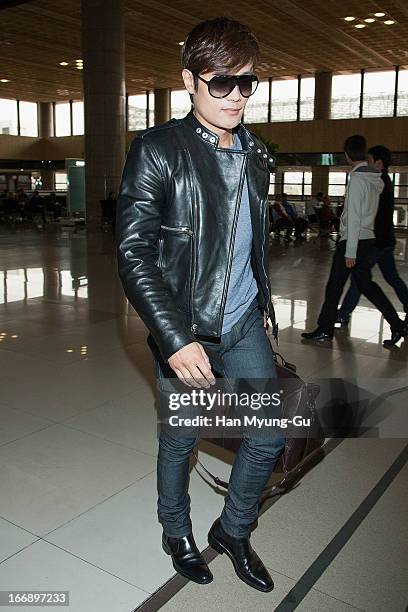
<point x="8" y="116"/>
<point x="337" y="183"/>
<point x="402" y="105"/>
<point x="137" y="106"/>
<point x="307" y="96"/>
<point x="61" y="183"/>
<point x="62" y="119"/>
<point x="284" y="100"/>
<point x="180" y="103"/>
<point x="78" y="118"/>
<point x="28" y="119"/>
<point x="297" y="183"/>
<point x="256" y="110"/>
<point x="378" y="94"/>
<point x="346" y="96"/>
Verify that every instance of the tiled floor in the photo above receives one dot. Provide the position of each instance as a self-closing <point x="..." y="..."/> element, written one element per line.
<point x="78" y="442"/>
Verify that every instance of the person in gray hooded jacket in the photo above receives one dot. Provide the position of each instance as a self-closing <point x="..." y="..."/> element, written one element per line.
<point x="354" y="250"/>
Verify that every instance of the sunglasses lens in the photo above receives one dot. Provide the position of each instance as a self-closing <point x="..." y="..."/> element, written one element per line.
<point x="247" y="84"/>
<point x="221" y="86"/>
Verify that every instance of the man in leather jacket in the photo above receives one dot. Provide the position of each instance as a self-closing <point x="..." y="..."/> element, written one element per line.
<point x="192" y="242"/>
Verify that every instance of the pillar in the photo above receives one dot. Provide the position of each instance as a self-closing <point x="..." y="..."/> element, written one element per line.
<point x="162" y="105"/>
<point x="323" y="91"/>
<point x="103" y="52"/>
<point x="45" y="120"/>
<point x="320" y="179"/>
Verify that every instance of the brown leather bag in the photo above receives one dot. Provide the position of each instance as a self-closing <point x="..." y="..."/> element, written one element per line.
<point x="301" y="402"/>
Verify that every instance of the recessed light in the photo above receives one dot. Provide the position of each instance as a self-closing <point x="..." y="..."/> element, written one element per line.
<point x="181" y="43"/>
<point x="369" y="20"/>
<point x="360" y="26"/>
<point x="63" y="63"/>
<point x="349" y="19"/>
<point x="5" y="80"/>
<point x="80" y="67"/>
<point x="389" y="22"/>
<point x="379" y="14"/>
<point x="79" y="60"/>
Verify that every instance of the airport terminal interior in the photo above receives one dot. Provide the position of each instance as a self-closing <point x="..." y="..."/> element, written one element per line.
<point x="78" y="427"/>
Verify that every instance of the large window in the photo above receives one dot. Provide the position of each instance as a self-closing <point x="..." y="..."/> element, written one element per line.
<point x="297" y="183"/>
<point x="346" y="96"/>
<point x="62" y="119"/>
<point x="28" y="119"/>
<point x="8" y="116"/>
<point x="137" y="108"/>
<point x="378" y="94"/>
<point x="256" y="110"/>
<point x="284" y="100"/>
<point x="402" y="106"/>
<point x="180" y="103"/>
<point x="61" y="181"/>
<point x="337" y="183"/>
<point x="78" y="117"/>
<point x="307" y="96"/>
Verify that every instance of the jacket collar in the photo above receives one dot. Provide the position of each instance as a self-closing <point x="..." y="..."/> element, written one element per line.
<point x="248" y="142"/>
<point x="211" y="138"/>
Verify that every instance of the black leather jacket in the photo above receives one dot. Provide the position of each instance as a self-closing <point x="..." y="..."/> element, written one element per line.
<point x="177" y="212"/>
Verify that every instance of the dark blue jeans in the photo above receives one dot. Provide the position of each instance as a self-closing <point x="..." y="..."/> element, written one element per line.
<point x="384" y="257"/>
<point x="245" y="352"/>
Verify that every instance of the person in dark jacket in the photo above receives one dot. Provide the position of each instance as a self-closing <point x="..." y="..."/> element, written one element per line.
<point x="192" y="242"/>
<point x="383" y="253"/>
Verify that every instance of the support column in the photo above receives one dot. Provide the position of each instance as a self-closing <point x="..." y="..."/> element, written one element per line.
<point x="278" y="181"/>
<point x="45" y="120"/>
<point x="162" y="103"/>
<point x="320" y="179"/>
<point x="323" y="93"/>
<point x="103" y="51"/>
<point x="48" y="180"/>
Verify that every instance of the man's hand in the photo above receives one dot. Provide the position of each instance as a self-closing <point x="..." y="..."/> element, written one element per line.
<point x="192" y="365"/>
<point x="350" y="262"/>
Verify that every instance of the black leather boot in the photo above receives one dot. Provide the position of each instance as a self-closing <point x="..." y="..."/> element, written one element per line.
<point x="187" y="559"/>
<point x="396" y="335"/>
<point x="318" y="335"/>
<point x="248" y="566"/>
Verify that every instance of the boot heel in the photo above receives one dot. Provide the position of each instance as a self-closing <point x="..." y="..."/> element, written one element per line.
<point x="214" y="544"/>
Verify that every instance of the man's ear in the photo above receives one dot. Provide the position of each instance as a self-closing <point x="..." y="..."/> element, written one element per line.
<point x="188" y="80"/>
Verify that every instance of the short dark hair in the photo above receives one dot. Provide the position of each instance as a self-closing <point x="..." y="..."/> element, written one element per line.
<point x="381" y="152"/>
<point x="356" y="147"/>
<point x="319" y="194"/>
<point x="219" y="44"/>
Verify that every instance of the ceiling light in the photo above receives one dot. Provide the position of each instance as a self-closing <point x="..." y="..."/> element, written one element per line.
<point x="80" y="67"/>
<point x="181" y="43"/>
<point x="360" y="26"/>
<point x="5" y="80"/>
<point x="379" y="14"/>
<point x="79" y="60"/>
<point x="63" y="63"/>
<point x="369" y="20"/>
<point x="389" y="22"/>
<point x="349" y="19"/>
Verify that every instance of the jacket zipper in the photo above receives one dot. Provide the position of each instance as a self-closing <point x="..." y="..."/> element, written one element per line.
<point x="231" y="248"/>
<point x="194" y="325"/>
<point x="159" y="261"/>
<point x="184" y="230"/>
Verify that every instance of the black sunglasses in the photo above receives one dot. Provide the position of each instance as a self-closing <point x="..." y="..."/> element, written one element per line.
<point x="221" y="86"/>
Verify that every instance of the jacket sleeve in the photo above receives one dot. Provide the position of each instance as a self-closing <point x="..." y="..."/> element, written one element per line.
<point x="354" y="207"/>
<point x="139" y="216"/>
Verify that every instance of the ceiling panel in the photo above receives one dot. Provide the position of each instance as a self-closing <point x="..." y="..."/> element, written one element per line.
<point x="296" y="37"/>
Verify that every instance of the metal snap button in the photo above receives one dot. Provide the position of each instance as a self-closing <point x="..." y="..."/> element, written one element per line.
<point x="205" y="135"/>
<point x="259" y="150"/>
<point x="198" y="130"/>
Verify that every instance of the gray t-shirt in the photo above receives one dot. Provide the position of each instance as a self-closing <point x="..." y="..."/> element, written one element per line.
<point x="242" y="288"/>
